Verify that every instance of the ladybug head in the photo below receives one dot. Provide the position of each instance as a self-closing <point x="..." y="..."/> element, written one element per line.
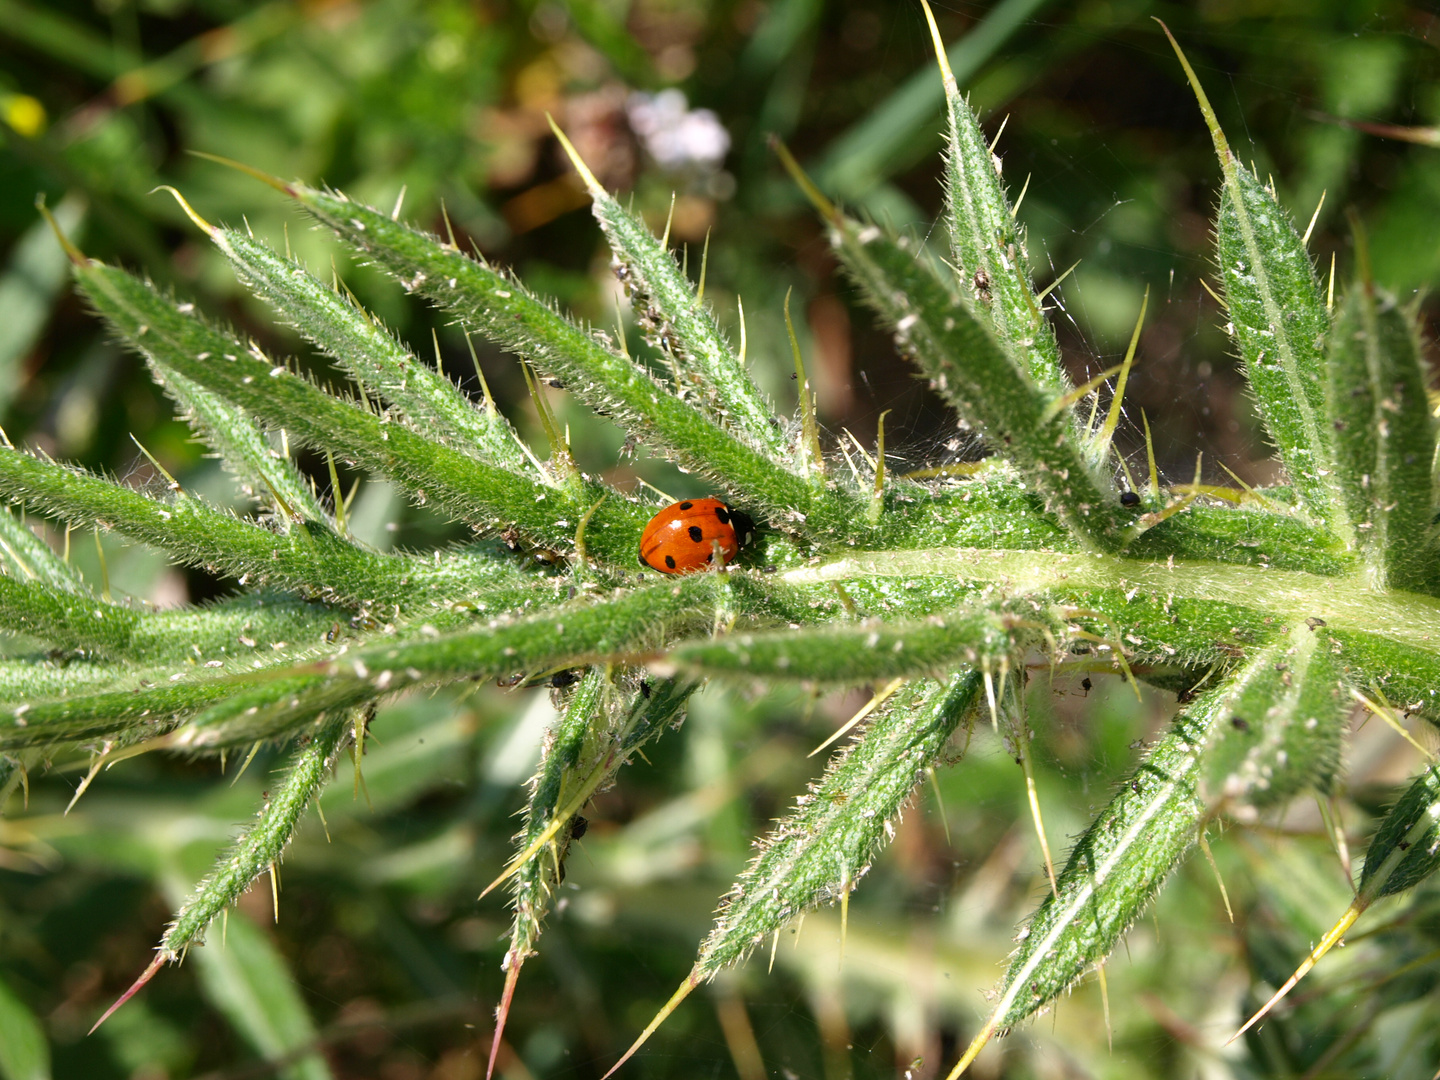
<point x="744" y="526"/>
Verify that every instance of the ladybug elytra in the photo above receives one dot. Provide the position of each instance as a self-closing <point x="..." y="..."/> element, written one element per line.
<point x="685" y="536"/>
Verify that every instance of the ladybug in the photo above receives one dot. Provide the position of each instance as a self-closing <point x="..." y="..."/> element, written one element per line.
<point x="683" y="537"/>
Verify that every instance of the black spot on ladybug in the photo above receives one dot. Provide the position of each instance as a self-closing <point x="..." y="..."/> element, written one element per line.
<point x="1239" y="723"/>
<point x="723" y="514"/>
<point x="1129" y="498"/>
<point x="696" y="533"/>
<point x="578" y="827"/>
<point x="686" y="505"/>
<point x="710" y="558"/>
<point x="670" y="561"/>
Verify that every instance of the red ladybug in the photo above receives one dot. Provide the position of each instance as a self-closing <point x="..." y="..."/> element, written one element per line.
<point x="683" y="537"/>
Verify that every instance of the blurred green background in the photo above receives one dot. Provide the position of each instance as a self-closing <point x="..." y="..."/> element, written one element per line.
<point x="382" y="962"/>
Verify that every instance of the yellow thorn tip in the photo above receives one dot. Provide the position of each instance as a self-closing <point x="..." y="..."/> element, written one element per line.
<point x="75" y="255"/>
<point x="941" y="57"/>
<point x="249" y="170"/>
<point x="1332" y="936"/>
<point x="973" y="1050"/>
<point x="1222" y="147"/>
<point x="660" y="1017"/>
<point x="591" y="184"/>
<point x="827" y="209"/>
<point x="200" y="223"/>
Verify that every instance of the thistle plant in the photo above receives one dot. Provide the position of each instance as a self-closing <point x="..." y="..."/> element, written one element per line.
<point x="1272" y="613"/>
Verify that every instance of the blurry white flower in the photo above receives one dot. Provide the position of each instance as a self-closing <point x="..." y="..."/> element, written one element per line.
<point x="675" y="135"/>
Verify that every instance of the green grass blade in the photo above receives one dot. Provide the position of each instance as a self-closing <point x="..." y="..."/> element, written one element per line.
<point x="29" y="288"/>
<point x="24" y="1049"/>
<point x="873" y="148"/>
<point x="248" y="981"/>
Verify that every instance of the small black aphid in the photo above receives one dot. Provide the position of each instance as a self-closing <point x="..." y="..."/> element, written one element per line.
<point x="562" y="679"/>
<point x="644" y="688"/>
<point x="578" y="827"/>
<point x="1086" y="684"/>
<point x="1129" y="498"/>
<point x="1239" y="723"/>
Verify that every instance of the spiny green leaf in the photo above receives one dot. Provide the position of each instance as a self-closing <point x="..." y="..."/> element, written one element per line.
<point x="605" y="721"/>
<point x="72" y="621"/>
<point x="1278" y="726"/>
<point x="31" y="558"/>
<point x="971" y="369"/>
<point x="1278" y="320"/>
<point x="310" y="557"/>
<point x="373" y="356"/>
<point x="1385" y="439"/>
<point x="678" y="323"/>
<point x="1407" y="675"/>
<point x="1406" y="847"/>
<point x="988" y="243"/>
<point x="1245" y="536"/>
<point x="262" y="843"/>
<point x="821" y="849"/>
<point x="487" y="495"/>
<point x="1115" y="870"/>
<point x="508" y="313"/>
<point x="266" y="475"/>
<point x="560" y="766"/>
<point x="978" y="637"/>
<point x="568" y="635"/>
